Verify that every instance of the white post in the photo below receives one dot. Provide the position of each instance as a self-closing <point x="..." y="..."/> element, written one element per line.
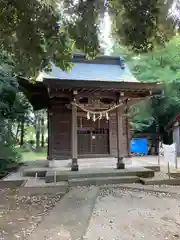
<point x="168" y="170"/>
<point x="159" y="157"/>
<point x="176" y="162"/>
<point x="36" y="176"/>
<point x="55" y="177"/>
<point x="159" y="151"/>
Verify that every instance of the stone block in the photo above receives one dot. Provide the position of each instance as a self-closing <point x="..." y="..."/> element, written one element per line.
<point x="93" y="173"/>
<point x="102" y="181"/>
<point x="44" y="190"/>
<point x="160" y="181"/>
<point x="155" y="168"/>
<point x="12" y="183"/>
<point x="31" y="172"/>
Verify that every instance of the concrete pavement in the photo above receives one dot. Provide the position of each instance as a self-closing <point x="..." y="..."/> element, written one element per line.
<point x="70" y="217"/>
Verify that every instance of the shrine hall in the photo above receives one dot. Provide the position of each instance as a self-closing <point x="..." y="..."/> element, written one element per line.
<point x="88" y="108"/>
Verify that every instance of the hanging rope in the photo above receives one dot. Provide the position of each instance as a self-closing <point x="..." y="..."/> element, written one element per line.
<point x="94" y="114"/>
<point x="97" y="112"/>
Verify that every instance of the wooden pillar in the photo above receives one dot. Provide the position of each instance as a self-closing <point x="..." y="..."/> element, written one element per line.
<point x="50" y="135"/>
<point x="74" y="166"/>
<point x="127" y="131"/>
<point x="120" y="163"/>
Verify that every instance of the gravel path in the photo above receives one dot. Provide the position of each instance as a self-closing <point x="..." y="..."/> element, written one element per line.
<point x="19" y="216"/>
<point x="126" y="215"/>
<point x="119" y="214"/>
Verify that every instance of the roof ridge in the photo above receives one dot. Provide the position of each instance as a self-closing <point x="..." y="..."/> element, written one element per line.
<point x="104" y="59"/>
<point x="122" y="62"/>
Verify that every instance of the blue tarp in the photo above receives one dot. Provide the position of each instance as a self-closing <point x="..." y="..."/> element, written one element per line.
<point x="139" y="146"/>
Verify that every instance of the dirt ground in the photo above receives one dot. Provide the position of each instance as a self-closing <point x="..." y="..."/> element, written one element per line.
<point x="118" y="214"/>
<point x="19" y="216"/>
<point x="126" y="215"/>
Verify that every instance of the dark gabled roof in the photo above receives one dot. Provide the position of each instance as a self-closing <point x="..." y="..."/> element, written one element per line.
<point x="110" y="73"/>
<point x="104" y="68"/>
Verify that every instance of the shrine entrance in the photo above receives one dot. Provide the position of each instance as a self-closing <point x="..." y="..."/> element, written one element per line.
<point x="93" y="137"/>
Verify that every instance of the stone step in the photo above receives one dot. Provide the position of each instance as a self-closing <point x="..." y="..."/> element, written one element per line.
<point x="155" y="168"/>
<point x="12" y="183"/>
<point x="93" y="173"/>
<point x="37" y="163"/>
<point x="41" y="190"/>
<point x="31" y="172"/>
<point x="160" y="181"/>
<point x="102" y="181"/>
<point x="175" y="174"/>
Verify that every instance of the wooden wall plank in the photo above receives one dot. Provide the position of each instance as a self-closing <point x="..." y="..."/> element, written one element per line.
<point x="125" y="138"/>
<point x="61" y="132"/>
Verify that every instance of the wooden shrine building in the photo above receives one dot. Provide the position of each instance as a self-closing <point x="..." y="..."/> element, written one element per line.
<point x="87" y="108"/>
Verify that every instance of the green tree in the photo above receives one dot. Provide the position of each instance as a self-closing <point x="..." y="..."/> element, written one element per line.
<point x="13" y="105"/>
<point x="142" y="25"/>
<point x="7" y="142"/>
<point x="161" y="66"/>
<point x="34" y="33"/>
<point x="22" y="112"/>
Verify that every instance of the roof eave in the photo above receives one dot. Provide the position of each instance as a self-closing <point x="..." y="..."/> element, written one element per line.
<point x="36" y="93"/>
<point x="103" y="84"/>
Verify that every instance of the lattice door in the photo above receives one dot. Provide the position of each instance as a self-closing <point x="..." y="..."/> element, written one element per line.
<point x="93" y="137"/>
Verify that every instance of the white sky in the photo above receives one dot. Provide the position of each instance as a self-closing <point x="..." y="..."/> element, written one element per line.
<point x="105" y="34"/>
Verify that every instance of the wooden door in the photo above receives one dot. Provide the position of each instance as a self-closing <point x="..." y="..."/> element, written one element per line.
<point x="100" y="141"/>
<point x="93" y="137"/>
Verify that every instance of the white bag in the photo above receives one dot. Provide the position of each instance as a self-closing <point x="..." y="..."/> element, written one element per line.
<point x="170" y="154"/>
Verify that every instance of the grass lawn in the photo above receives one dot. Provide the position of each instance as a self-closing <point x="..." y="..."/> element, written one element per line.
<point x="32" y="156"/>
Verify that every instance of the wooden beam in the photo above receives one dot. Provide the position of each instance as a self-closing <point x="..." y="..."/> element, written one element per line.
<point x="59" y="93"/>
<point x="119" y="86"/>
<point x="96" y="95"/>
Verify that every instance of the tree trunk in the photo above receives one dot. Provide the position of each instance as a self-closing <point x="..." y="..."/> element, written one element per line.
<point x="38" y="131"/>
<point x="22" y="132"/>
<point x="17" y="130"/>
<point x="42" y="131"/>
<point x="9" y="129"/>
